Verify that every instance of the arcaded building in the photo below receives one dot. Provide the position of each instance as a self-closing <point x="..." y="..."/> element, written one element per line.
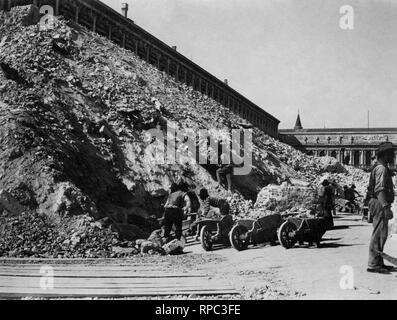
<point x="356" y="146"/>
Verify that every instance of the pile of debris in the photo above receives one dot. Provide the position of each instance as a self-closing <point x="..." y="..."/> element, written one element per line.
<point x="35" y="235"/>
<point x="286" y="199"/>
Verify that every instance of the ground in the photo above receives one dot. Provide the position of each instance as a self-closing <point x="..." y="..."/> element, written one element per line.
<point x="310" y="273"/>
<point x="272" y="272"/>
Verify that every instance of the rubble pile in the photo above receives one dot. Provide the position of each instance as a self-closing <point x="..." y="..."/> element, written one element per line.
<point x="34" y="235"/>
<point x="286" y="199"/>
<point x="353" y="175"/>
<point x="74" y="113"/>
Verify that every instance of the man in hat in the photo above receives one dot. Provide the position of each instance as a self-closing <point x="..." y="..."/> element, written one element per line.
<point x="381" y="191"/>
<point x="327" y="204"/>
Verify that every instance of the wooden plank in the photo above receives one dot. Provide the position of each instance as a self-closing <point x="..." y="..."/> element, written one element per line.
<point x="17" y="293"/>
<point x="61" y="281"/>
<point x="67" y="274"/>
<point x="71" y="269"/>
<point x="99" y="282"/>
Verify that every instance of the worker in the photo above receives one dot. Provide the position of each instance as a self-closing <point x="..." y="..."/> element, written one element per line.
<point x="381" y="190"/>
<point x="184" y="187"/>
<point x="173" y="213"/>
<point x="349" y="196"/>
<point x="334" y="187"/>
<point x="208" y="202"/>
<point x="327" y="203"/>
<point x="192" y="205"/>
<point x="225" y="169"/>
<point x="320" y="193"/>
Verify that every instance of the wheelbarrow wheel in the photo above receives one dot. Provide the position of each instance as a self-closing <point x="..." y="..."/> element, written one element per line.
<point x="286" y="234"/>
<point x="206" y="238"/>
<point x="236" y="237"/>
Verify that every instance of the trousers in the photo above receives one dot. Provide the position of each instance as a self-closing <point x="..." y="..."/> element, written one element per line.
<point x="173" y="216"/>
<point x="379" y="234"/>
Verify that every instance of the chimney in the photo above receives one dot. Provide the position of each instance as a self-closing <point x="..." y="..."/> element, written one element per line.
<point x="226" y="82"/>
<point x="124" y="9"/>
<point x="174" y="48"/>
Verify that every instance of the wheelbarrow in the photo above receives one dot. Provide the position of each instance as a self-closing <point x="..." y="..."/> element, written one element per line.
<point x="301" y="230"/>
<point x="251" y="231"/>
<point x="214" y="231"/>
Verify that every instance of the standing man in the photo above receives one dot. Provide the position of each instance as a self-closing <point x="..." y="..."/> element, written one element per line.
<point x="173" y="213"/>
<point x="327" y="204"/>
<point x="225" y="169"/>
<point x="381" y="190"/>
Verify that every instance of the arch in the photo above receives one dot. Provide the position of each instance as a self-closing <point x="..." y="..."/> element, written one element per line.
<point x="333" y="154"/>
<point x="322" y="153"/>
<point x="310" y="153"/>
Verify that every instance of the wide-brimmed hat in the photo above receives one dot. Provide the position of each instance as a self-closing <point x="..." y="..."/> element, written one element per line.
<point x="385" y="146"/>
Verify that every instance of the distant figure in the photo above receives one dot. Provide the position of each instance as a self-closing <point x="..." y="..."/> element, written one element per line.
<point x="334" y="187"/>
<point x="381" y="190"/>
<point x="225" y="169"/>
<point x="355" y="192"/>
<point x="349" y="196"/>
<point x="327" y="203"/>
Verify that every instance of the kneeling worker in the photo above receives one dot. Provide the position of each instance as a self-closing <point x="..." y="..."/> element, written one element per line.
<point x="208" y="202"/>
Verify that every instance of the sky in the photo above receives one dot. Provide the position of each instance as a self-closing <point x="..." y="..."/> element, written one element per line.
<point x="289" y="55"/>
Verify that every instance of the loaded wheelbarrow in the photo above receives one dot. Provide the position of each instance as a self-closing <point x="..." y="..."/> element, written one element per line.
<point x="214" y="231"/>
<point x="251" y="231"/>
<point x="301" y="230"/>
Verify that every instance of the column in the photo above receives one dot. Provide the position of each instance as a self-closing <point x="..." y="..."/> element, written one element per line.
<point x="206" y="88"/>
<point x="124" y="38"/>
<point x="110" y="32"/>
<point x="177" y="72"/>
<point x="136" y="47"/>
<point x="76" y="17"/>
<point x="158" y="61"/>
<point x="351" y="154"/>
<point x="147" y="53"/>
<point x="57" y="7"/>
<point x="193" y="80"/>
<point x="167" y="70"/>
<point x="199" y="84"/>
<point x="185" y="76"/>
<point x="362" y="153"/>
<point x="94" y="23"/>
<point x="213" y="92"/>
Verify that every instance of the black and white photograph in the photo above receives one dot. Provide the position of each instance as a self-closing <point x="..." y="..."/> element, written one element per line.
<point x="196" y="154"/>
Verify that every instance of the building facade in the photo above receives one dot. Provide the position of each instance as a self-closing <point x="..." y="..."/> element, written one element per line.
<point x="355" y="146"/>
